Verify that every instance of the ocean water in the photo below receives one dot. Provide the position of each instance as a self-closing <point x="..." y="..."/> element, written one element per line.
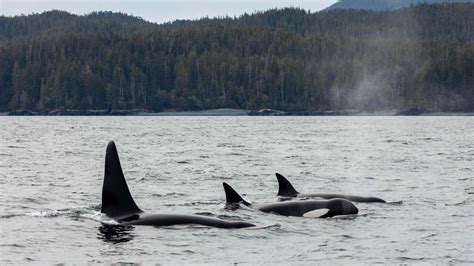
<point x="51" y="173"/>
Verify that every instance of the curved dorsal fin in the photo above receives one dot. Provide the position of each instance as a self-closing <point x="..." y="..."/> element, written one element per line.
<point x="117" y="202"/>
<point x="232" y="197"/>
<point x="285" y="189"/>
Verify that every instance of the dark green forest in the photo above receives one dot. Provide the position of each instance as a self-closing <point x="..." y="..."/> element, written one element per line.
<point x="288" y="59"/>
<point x="386" y="4"/>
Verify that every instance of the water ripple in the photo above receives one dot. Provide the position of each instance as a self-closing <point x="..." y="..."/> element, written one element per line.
<point x="51" y="171"/>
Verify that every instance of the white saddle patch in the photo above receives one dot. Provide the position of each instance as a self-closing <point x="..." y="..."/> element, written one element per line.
<point x="316" y="213"/>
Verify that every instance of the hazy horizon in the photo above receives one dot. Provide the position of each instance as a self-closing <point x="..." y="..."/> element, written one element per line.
<point x="157" y="11"/>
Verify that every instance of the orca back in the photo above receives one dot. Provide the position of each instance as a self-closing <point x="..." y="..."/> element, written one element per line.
<point x="117" y="202"/>
<point x="285" y="189"/>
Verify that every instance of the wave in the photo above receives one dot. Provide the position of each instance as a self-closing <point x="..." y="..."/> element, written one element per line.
<point x="90" y="212"/>
<point x="400" y="202"/>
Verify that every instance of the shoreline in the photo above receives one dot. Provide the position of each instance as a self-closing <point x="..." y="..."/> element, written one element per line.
<point x="232" y="112"/>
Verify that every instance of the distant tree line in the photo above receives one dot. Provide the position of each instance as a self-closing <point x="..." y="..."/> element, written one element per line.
<point x="385" y="4"/>
<point x="285" y="59"/>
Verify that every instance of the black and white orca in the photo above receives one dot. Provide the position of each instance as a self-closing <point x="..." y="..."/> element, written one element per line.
<point x="118" y="204"/>
<point x="285" y="189"/>
<point x="301" y="208"/>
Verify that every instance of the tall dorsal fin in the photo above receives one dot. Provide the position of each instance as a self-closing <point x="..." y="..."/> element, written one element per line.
<point x="285" y="189"/>
<point x="117" y="202"/>
<point x="232" y="197"/>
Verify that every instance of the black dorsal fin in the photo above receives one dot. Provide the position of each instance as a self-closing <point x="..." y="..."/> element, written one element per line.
<point x="232" y="197"/>
<point x="285" y="189"/>
<point x="117" y="202"/>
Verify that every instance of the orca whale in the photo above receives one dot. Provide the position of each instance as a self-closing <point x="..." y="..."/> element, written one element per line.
<point x="118" y="204"/>
<point x="285" y="189"/>
<point x="303" y="208"/>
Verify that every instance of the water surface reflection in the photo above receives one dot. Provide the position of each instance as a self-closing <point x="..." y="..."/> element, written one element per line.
<point x="115" y="233"/>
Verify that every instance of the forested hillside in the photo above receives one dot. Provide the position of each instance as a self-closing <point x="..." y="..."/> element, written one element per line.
<point x="285" y="59"/>
<point x="387" y="4"/>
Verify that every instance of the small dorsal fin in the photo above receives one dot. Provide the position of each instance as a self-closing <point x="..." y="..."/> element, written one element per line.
<point x="117" y="202"/>
<point x="285" y="189"/>
<point x="232" y="197"/>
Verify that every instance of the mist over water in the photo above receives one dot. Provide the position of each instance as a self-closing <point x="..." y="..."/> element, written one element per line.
<point x="51" y="173"/>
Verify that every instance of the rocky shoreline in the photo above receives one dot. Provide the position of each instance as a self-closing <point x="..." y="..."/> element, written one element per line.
<point x="413" y="111"/>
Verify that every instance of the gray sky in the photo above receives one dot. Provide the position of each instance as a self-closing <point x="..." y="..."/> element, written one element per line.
<point x="157" y="10"/>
